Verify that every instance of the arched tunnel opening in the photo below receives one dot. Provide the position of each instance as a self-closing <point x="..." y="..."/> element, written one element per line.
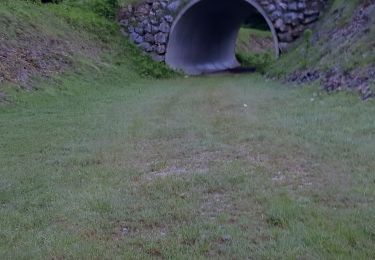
<point x="204" y="35"/>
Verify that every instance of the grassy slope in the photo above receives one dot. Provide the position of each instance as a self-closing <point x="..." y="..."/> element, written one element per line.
<point x="255" y="49"/>
<point x="247" y="36"/>
<point x="87" y="40"/>
<point x="99" y="163"/>
<point x="327" y="52"/>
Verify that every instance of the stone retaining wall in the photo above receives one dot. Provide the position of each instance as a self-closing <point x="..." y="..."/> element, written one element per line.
<point x="148" y="24"/>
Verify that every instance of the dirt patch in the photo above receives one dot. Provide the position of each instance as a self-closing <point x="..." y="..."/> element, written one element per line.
<point x="27" y="52"/>
<point x="194" y="161"/>
<point x="42" y="58"/>
<point x="255" y="44"/>
<point x="261" y="44"/>
<point x="336" y="80"/>
<point x="215" y="204"/>
<point x="140" y="229"/>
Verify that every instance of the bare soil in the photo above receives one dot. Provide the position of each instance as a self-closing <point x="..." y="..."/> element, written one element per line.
<point x="32" y="53"/>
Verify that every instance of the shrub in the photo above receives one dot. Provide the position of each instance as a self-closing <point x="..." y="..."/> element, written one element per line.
<point x="259" y="61"/>
<point x="106" y="8"/>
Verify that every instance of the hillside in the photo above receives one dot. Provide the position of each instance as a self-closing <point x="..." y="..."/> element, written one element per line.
<point x="42" y="41"/>
<point x="50" y="39"/>
<point x="339" y="54"/>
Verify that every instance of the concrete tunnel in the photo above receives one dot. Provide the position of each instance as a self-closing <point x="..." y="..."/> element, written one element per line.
<point x="204" y="34"/>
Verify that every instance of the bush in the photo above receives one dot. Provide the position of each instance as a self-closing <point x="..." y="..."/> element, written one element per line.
<point x="259" y="61"/>
<point x="105" y="8"/>
<point x="145" y="66"/>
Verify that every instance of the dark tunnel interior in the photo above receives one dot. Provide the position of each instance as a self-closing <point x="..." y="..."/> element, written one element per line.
<point x="203" y="37"/>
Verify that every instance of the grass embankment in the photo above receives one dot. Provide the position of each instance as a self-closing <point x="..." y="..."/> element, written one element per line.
<point x="41" y="41"/>
<point x="255" y="48"/>
<point x="344" y="38"/>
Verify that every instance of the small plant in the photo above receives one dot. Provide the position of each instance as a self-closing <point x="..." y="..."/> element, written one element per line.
<point x="258" y="61"/>
<point x="307" y="35"/>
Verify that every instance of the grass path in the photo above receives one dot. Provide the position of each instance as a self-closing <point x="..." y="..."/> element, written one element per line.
<point x="221" y="166"/>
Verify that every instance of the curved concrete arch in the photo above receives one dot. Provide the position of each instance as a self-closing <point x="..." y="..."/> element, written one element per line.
<point x="204" y="33"/>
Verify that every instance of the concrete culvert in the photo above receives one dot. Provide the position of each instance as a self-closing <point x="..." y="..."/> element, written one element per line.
<point x="203" y="36"/>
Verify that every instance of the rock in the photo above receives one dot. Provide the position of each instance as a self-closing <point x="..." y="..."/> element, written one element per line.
<point x="297" y="31"/>
<point x="139" y="30"/>
<point x="333" y="80"/>
<point x="310" y="19"/>
<point x="159" y="13"/>
<point x="365" y="91"/>
<point x="275" y="15"/>
<point x="301" y="6"/>
<point x="270" y="8"/>
<point x="304" y="76"/>
<point x="142" y="10"/>
<point x="280" y="25"/>
<point x="164" y="27"/>
<point x="154" y="29"/>
<point x="149" y="38"/>
<point x="168" y="18"/>
<point x="147" y="28"/>
<point x="135" y="37"/>
<point x="154" y="20"/>
<point x="160" y="49"/>
<point x="161" y="37"/>
<point x="164" y="4"/>
<point x="155" y="6"/>
<point x="146" y="46"/>
<point x="282" y="5"/>
<point x="290" y="18"/>
<point x="130" y="8"/>
<point x="174" y="6"/>
<point x="293" y="6"/>
<point x="311" y="12"/>
<point x="130" y="29"/>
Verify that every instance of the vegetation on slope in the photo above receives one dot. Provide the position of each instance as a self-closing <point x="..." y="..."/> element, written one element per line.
<point x="255" y="48"/>
<point x="340" y="51"/>
<point x="40" y="41"/>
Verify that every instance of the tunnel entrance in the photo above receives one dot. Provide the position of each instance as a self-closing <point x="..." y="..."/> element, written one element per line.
<point x="204" y="35"/>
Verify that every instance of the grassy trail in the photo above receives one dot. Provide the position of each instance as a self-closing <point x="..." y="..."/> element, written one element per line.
<point x="220" y="166"/>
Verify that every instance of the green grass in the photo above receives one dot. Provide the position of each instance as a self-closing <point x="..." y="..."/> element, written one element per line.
<point x="94" y="40"/>
<point x="254" y="41"/>
<point x="105" y="165"/>
<point x="255" y="48"/>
